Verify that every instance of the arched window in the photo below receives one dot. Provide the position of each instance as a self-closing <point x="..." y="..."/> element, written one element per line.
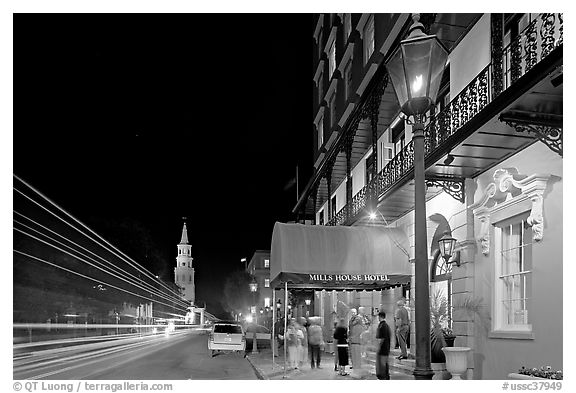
<point x="441" y="280"/>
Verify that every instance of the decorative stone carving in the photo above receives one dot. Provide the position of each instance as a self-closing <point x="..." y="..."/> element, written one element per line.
<point x="509" y="188"/>
<point x="484" y="239"/>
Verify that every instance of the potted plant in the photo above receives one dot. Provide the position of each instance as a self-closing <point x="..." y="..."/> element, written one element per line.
<point x="438" y="322"/>
<point x="449" y="336"/>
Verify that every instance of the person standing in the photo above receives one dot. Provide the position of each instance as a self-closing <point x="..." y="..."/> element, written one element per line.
<point x="383" y="334"/>
<point x="341" y="339"/>
<point x="335" y="347"/>
<point x="315" y="341"/>
<point x="279" y="332"/>
<point x="303" y="348"/>
<point x="402" y="328"/>
<point x="293" y="337"/>
<point x="358" y="325"/>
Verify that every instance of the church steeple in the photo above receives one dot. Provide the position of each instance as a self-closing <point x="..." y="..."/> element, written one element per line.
<point x="184" y="239"/>
<point x="184" y="272"/>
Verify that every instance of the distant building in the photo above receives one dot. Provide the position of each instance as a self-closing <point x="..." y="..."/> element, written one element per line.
<point x="184" y="272"/>
<point x="259" y="269"/>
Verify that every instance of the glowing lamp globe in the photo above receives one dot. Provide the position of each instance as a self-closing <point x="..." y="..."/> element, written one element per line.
<point x="416" y="68"/>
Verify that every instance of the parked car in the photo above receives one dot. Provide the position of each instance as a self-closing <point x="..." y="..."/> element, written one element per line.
<point x="227" y="336"/>
<point x="262" y="335"/>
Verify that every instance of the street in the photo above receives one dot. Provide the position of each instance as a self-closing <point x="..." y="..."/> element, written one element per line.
<point x="180" y="356"/>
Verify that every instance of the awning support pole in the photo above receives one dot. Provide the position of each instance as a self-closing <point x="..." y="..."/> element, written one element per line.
<point x="273" y="338"/>
<point x="285" y="322"/>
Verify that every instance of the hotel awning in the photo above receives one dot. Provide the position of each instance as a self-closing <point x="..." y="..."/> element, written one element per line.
<point x="338" y="257"/>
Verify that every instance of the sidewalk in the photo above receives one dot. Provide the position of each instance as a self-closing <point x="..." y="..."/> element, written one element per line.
<point x="267" y="369"/>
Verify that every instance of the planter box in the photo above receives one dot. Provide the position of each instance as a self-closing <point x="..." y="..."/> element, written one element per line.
<point x="522" y="376"/>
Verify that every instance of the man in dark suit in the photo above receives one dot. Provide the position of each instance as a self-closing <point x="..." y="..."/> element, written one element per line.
<point x="383" y="334"/>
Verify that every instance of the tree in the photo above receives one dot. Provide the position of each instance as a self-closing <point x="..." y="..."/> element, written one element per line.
<point x="237" y="296"/>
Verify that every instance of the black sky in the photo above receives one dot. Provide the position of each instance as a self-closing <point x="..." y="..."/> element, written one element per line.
<point x="149" y="118"/>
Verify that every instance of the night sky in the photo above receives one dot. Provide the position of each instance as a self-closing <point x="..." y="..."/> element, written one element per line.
<point x="131" y="122"/>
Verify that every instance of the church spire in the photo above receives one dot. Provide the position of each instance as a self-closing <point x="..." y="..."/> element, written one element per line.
<point x="184" y="239"/>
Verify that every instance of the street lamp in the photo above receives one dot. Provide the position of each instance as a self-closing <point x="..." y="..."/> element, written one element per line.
<point x="307" y="301"/>
<point x="416" y="69"/>
<point x="278" y="307"/>
<point x="446" y="245"/>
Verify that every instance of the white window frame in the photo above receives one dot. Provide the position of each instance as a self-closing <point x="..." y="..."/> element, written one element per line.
<point x="266" y="283"/>
<point x="266" y="263"/>
<point x="499" y="313"/>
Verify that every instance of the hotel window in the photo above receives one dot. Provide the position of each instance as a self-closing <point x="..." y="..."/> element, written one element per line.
<point x="320" y="128"/>
<point x="320" y="44"/>
<point x="347" y="26"/>
<point x="333" y="110"/>
<point x="513" y="272"/>
<point x="332" y="59"/>
<point x="348" y="79"/>
<point x="369" y="168"/>
<point x="320" y="88"/>
<point x="266" y="283"/>
<point x="266" y="302"/>
<point x="267" y="263"/>
<point x="333" y="205"/>
<point x="368" y="37"/>
<point x="398" y="138"/>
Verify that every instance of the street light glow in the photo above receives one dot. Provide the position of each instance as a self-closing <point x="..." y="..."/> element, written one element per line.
<point x="417" y="85"/>
<point x="372" y="216"/>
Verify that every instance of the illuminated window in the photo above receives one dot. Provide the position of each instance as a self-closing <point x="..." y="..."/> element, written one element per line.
<point x="266" y="262"/>
<point x="266" y="302"/>
<point x="332" y="59"/>
<point x="266" y="283"/>
<point x="513" y="289"/>
<point x="368" y="39"/>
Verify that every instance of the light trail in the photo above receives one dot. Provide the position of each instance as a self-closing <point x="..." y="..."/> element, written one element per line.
<point x="112" y="266"/>
<point x="90" y="278"/>
<point x="85" y="355"/>
<point x="114" y="250"/>
<point x="134" y="283"/>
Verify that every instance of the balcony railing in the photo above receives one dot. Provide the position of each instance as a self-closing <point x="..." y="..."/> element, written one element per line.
<point x="534" y="43"/>
<point x="520" y="56"/>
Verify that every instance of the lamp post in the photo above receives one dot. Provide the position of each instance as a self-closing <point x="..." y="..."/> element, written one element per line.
<point x="253" y="288"/>
<point x="416" y="69"/>
<point x="278" y="308"/>
<point x="307" y="301"/>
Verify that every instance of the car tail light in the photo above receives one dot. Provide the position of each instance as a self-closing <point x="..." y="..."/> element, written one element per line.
<point x="211" y="337"/>
<point x="243" y="338"/>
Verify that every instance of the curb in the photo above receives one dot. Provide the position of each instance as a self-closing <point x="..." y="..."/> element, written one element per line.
<point x="257" y="371"/>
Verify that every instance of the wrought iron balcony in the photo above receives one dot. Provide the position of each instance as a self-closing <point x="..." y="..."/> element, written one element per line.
<point x="523" y="53"/>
